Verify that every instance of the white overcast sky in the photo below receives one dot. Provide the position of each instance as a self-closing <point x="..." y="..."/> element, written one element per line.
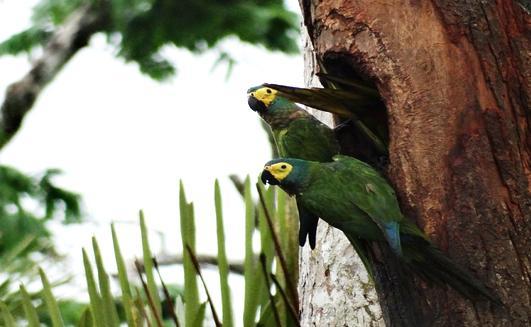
<point x="124" y="141"/>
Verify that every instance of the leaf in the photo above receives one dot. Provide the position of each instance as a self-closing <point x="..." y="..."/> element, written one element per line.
<point x="54" y="195"/>
<point x="95" y="299"/>
<point x="29" y="309"/>
<point x="191" y="293"/>
<point x="267" y="248"/>
<point x="291" y="285"/>
<point x="13" y="252"/>
<point x="272" y="301"/>
<point x="251" y="280"/>
<point x="168" y="304"/>
<point x="223" y="265"/>
<point x="109" y="308"/>
<point x="124" y="280"/>
<point x="215" y="316"/>
<point x="24" y="41"/>
<point x="200" y="317"/>
<point x="148" y="266"/>
<point x="154" y="314"/>
<point x="9" y="321"/>
<point x="86" y="319"/>
<point x="49" y="300"/>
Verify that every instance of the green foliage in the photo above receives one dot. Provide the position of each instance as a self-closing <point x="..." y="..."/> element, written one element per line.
<point x="223" y="264"/>
<point x="252" y="286"/>
<point x="24" y="41"/>
<point x="9" y="320"/>
<point x="23" y="231"/>
<point x="152" y="290"/>
<point x="19" y="194"/>
<point x="124" y="281"/>
<point x="55" y="12"/>
<point x="29" y="309"/>
<point x="200" y="25"/>
<point x="141" y="29"/>
<point x="50" y="301"/>
<point x="191" y="295"/>
<point x="43" y="308"/>
<point x="105" y="288"/>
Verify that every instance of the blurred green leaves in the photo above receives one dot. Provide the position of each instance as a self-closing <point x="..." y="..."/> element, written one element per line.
<point x="22" y="199"/>
<point x="139" y="303"/>
<point x="141" y="29"/>
<point x="26" y="204"/>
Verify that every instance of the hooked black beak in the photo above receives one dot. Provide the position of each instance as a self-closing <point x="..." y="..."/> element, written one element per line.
<point x="256" y="104"/>
<point x="268" y="178"/>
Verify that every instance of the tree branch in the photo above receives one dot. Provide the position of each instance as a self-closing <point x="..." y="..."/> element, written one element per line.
<point x="66" y="41"/>
<point x="203" y="260"/>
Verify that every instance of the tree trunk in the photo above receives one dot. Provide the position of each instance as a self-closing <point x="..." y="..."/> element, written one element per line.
<point x="334" y="288"/>
<point x="455" y="78"/>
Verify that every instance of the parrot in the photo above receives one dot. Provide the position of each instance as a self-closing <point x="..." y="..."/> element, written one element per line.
<point x="353" y="197"/>
<point x="359" y="112"/>
<point x="297" y="134"/>
<point x="350" y="98"/>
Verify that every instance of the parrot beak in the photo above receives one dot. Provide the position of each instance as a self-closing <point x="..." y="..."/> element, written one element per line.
<point x="268" y="178"/>
<point x="256" y="104"/>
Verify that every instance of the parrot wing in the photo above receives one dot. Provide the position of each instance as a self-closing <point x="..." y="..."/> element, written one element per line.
<point x="371" y="193"/>
<point x="357" y="85"/>
<point x="307" y="226"/>
<point x="308" y="139"/>
<point x="339" y="102"/>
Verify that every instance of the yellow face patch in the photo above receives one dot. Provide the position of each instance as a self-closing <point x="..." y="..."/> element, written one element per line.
<point x="279" y="170"/>
<point x="264" y="94"/>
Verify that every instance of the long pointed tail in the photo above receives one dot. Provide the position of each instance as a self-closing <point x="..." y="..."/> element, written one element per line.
<point x="361" y="248"/>
<point x="432" y="264"/>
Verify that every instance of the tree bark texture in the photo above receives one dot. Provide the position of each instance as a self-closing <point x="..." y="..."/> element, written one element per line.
<point x="334" y="288"/>
<point x="62" y="46"/>
<point x="456" y="80"/>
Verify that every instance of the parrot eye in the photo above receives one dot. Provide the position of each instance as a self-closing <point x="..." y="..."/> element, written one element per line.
<point x="283" y="166"/>
<point x="268" y="91"/>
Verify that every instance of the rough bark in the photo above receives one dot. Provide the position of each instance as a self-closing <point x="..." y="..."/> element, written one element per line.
<point x="332" y="275"/>
<point x="456" y="80"/>
<point x="62" y="46"/>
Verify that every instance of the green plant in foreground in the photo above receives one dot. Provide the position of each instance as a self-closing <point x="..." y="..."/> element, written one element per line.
<point x="151" y="303"/>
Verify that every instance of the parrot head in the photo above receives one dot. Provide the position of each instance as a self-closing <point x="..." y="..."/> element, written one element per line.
<point x="261" y="98"/>
<point x="285" y="172"/>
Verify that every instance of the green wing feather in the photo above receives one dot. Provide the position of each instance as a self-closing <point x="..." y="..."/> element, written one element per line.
<point x="308" y="139"/>
<point x="371" y="193"/>
<point x="339" y="102"/>
<point x="353" y="197"/>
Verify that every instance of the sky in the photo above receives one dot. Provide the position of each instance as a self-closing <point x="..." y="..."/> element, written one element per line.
<point x="125" y="141"/>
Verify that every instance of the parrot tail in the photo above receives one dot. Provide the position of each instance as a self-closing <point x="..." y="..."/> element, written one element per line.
<point x="361" y="248"/>
<point x="432" y="264"/>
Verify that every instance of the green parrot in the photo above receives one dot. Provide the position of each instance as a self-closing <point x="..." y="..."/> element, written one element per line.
<point x="352" y="196"/>
<point x="297" y="134"/>
<point x="361" y="105"/>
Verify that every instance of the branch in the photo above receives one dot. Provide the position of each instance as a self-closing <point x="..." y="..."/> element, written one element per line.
<point x="65" y="42"/>
<point x="203" y="260"/>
